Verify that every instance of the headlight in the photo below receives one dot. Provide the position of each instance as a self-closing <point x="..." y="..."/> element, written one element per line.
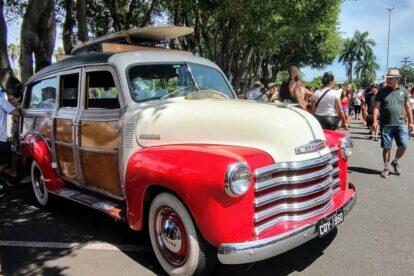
<point x="346" y="147"/>
<point x="238" y="179"/>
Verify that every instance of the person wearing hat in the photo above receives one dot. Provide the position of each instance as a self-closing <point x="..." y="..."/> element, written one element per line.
<point x="393" y="101"/>
<point x="256" y="94"/>
<point x="272" y="92"/>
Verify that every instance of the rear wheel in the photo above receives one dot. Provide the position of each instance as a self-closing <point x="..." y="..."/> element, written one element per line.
<point x="39" y="186"/>
<point x="174" y="238"/>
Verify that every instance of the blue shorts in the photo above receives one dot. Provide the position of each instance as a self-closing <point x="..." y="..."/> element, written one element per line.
<point x="399" y="133"/>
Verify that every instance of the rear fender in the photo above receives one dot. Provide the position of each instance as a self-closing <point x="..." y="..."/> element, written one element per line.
<point x="35" y="148"/>
<point x="195" y="173"/>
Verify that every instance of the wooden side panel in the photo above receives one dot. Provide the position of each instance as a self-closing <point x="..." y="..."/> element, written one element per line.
<point x="66" y="161"/>
<point x="44" y="126"/>
<point x="100" y="135"/>
<point x="63" y="132"/>
<point x="101" y="171"/>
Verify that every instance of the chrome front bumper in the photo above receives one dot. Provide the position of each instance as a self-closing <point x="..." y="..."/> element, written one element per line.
<point x="248" y="252"/>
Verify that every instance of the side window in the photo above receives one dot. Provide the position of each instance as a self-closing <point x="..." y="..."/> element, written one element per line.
<point x="69" y="88"/>
<point x="101" y="90"/>
<point x="42" y="94"/>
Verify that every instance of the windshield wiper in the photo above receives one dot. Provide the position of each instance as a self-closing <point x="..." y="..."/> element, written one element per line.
<point x="173" y="93"/>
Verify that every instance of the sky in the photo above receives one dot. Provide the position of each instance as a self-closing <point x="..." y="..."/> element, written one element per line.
<point x="362" y="15"/>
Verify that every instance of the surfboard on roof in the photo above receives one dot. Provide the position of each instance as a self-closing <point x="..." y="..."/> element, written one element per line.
<point x="137" y="36"/>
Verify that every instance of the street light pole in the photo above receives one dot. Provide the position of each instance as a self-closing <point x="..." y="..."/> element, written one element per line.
<point x="389" y="31"/>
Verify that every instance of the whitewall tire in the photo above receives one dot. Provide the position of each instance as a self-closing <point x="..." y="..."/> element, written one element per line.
<point x="178" y="247"/>
<point x="39" y="186"/>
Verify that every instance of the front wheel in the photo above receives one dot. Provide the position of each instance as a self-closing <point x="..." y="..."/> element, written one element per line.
<point x="39" y="186"/>
<point x="174" y="238"/>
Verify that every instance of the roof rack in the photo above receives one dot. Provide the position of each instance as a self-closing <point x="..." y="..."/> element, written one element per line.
<point x="137" y="39"/>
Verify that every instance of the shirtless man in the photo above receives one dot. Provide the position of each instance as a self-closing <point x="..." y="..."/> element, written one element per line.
<point x="294" y="91"/>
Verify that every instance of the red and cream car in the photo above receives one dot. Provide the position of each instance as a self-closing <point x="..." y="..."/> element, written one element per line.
<point x="159" y="140"/>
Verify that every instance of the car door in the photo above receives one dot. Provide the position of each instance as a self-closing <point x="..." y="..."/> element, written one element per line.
<point x="65" y="126"/>
<point x="99" y="134"/>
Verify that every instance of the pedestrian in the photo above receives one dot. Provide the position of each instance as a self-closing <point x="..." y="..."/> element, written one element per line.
<point x="357" y="104"/>
<point x="272" y="93"/>
<point x="294" y="91"/>
<point x="394" y="104"/>
<point x="327" y="105"/>
<point x="345" y="107"/>
<point x="256" y="93"/>
<point x="370" y="100"/>
<point x="349" y="94"/>
<point x="5" y="151"/>
<point x="412" y="107"/>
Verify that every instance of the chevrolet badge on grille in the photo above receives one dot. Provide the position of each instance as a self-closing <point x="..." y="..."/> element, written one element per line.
<point x="313" y="146"/>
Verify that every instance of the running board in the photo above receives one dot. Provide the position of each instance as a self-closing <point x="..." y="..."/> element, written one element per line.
<point x="111" y="208"/>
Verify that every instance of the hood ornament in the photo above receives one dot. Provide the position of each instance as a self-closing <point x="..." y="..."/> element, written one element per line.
<point x="313" y="146"/>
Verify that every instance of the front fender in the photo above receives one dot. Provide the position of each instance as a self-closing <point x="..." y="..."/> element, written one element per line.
<point x="333" y="139"/>
<point x="34" y="147"/>
<point x="196" y="174"/>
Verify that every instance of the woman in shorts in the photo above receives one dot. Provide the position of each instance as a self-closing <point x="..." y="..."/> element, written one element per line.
<point x="345" y="107"/>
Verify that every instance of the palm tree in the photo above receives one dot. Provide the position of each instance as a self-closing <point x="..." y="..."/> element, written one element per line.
<point x="356" y="49"/>
<point x="366" y="69"/>
<point x="348" y="57"/>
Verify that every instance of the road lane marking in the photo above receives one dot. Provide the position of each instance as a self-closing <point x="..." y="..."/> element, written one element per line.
<point x="76" y="245"/>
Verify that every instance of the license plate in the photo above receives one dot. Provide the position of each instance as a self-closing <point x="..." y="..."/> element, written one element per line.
<point x="326" y="225"/>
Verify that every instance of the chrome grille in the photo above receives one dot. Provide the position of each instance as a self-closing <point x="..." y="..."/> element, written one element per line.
<point x="335" y="173"/>
<point x="294" y="191"/>
<point x="129" y="135"/>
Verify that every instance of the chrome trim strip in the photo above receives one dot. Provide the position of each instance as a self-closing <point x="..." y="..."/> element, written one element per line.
<point x="335" y="172"/>
<point x="261" y="228"/>
<point x="293" y="207"/>
<point x="69" y="145"/>
<point x="334" y="160"/>
<point x="248" y="252"/>
<point x="296" y="165"/>
<point x="98" y="150"/>
<point x="334" y="150"/>
<point x="336" y="182"/>
<point x="318" y="187"/>
<point x="296" y="179"/>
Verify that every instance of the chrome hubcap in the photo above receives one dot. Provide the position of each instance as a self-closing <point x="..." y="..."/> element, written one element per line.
<point x="39" y="182"/>
<point x="171" y="236"/>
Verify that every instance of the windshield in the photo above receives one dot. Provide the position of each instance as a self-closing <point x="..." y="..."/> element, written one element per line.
<point x="155" y="81"/>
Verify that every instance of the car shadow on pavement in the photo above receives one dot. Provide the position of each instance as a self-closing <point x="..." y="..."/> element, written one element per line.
<point x="295" y="260"/>
<point x="364" y="170"/>
<point x="62" y="221"/>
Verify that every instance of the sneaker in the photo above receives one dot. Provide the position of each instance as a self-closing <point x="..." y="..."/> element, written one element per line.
<point x="376" y="139"/>
<point x="385" y="173"/>
<point x="397" y="168"/>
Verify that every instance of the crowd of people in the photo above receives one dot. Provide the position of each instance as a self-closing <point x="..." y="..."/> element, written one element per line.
<point x="386" y="109"/>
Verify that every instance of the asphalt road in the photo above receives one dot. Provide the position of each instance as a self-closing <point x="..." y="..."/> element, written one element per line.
<point x="377" y="238"/>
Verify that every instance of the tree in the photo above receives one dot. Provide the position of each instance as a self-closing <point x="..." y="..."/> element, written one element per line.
<point x="9" y="82"/>
<point x="38" y="37"/>
<point x="358" y="49"/>
<point x="258" y="38"/>
<point x="81" y="17"/>
<point x="366" y="70"/>
<point x="68" y="25"/>
<point x="13" y="50"/>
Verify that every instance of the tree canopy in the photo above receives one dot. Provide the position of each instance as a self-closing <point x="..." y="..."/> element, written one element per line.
<point x="248" y="39"/>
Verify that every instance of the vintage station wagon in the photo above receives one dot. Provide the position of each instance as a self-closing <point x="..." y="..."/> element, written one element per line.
<point x="159" y="140"/>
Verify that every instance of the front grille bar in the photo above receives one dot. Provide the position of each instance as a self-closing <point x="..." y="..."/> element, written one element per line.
<point x="263" y="227"/>
<point x="284" y="180"/>
<point x="297" y="165"/>
<point x="283" y="194"/>
<point x="293" y="207"/>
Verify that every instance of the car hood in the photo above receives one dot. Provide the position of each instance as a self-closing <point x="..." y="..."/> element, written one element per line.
<point x="274" y="128"/>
